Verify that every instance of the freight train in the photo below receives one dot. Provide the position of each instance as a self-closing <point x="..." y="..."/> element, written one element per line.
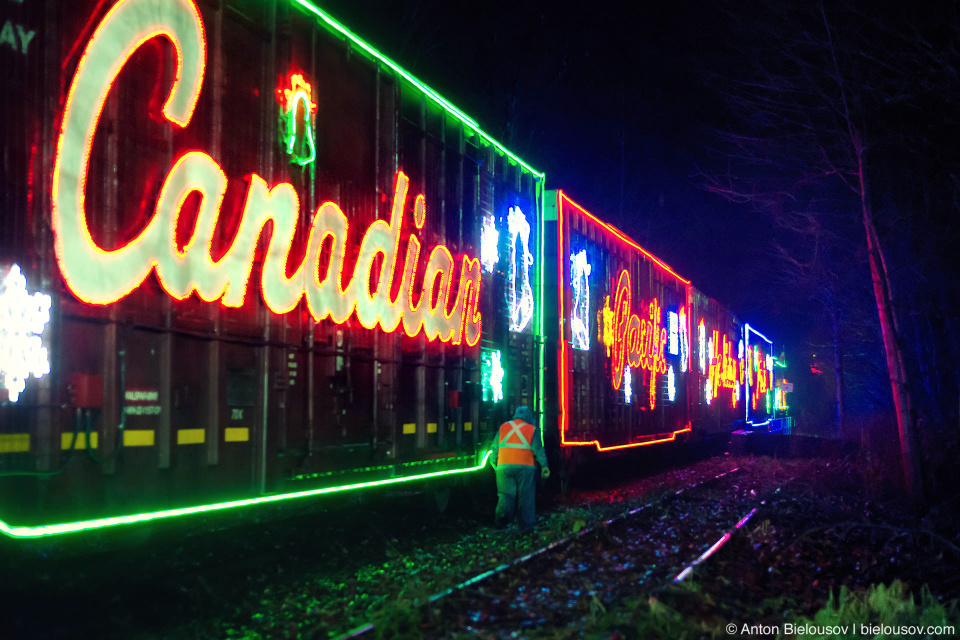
<point x="247" y="258"/>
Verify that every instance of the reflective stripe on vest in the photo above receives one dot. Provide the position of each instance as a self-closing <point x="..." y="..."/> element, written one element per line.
<point x="514" y="443"/>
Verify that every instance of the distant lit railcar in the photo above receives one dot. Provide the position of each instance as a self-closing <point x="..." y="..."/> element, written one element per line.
<point x="246" y="257"/>
<point x="758" y="378"/>
<point x="717" y="365"/>
<point x="643" y="357"/>
<point x="622" y="329"/>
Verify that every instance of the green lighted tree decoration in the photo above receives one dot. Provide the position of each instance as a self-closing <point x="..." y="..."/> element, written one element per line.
<point x="491" y="375"/>
<point x="296" y="122"/>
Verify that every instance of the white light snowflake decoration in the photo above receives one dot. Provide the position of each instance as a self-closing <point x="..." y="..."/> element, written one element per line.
<point x="520" y="292"/>
<point x="580" y="314"/>
<point x="671" y="385"/>
<point x="673" y="321"/>
<point x="627" y="384"/>
<point x="22" y="319"/>
<point x="489" y="241"/>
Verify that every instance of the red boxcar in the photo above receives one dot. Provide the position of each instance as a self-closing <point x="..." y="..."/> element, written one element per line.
<point x="643" y="358"/>
<point x="258" y="241"/>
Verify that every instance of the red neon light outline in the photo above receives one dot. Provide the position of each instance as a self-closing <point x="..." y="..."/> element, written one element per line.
<point x="667" y="437"/>
<point x="619" y="235"/>
<point x="133" y="22"/>
<point x="563" y="353"/>
<point x="402" y="309"/>
<point x="180" y="290"/>
<point x="178" y="109"/>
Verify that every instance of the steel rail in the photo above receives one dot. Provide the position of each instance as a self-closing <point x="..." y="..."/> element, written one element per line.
<point x="712" y="549"/>
<point x="370" y="626"/>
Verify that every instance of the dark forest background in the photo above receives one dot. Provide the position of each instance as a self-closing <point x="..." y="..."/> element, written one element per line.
<point x="729" y="139"/>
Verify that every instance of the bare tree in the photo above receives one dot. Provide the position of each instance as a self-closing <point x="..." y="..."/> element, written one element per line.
<point x="816" y="95"/>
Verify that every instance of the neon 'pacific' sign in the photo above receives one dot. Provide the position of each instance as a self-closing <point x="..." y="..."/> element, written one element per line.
<point x="637" y="342"/>
<point x="99" y="276"/>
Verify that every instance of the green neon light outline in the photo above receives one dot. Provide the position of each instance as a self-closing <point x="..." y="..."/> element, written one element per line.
<point x="383" y="467"/>
<point x="291" y="118"/>
<point x="541" y="243"/>
<point x="100" y="523"/>
<point x="433" y="95"/>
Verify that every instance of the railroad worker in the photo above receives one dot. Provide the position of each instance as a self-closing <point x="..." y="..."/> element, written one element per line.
<point x="515" y="447"/>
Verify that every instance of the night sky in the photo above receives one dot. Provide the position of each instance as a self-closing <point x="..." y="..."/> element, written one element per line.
<point x="621" y="106"/>
<point x="609" y="102"/>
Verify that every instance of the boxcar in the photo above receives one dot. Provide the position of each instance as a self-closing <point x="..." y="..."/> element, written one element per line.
<point x="758" y="378"/>
<point x="246" y="257"/>
<point x="643" y="357"/>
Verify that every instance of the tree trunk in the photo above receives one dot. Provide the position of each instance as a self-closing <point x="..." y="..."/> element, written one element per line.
<point x="910" y="457"/>
<point x="838" y="372"/>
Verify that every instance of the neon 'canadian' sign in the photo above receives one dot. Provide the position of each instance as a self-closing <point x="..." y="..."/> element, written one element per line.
<point x="636" y="342"/>
<point x="98" y="276"/>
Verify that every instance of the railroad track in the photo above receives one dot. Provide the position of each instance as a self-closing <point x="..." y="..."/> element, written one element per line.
<point x="472" y="597"/>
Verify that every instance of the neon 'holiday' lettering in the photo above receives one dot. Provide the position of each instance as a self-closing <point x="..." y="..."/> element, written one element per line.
<point x="99" y="276"/>
<point x="723" y="367"/>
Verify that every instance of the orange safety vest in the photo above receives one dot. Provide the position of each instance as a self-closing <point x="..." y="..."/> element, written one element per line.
<point x="515" y="441"/>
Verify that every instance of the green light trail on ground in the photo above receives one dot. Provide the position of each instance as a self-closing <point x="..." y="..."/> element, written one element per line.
<point x="100" y="523"/>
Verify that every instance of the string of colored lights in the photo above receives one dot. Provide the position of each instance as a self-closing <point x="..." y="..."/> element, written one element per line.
<point x="101" y="523"/>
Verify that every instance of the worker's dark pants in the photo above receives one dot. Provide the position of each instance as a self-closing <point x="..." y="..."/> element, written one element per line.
<point x="516" y="482"/>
